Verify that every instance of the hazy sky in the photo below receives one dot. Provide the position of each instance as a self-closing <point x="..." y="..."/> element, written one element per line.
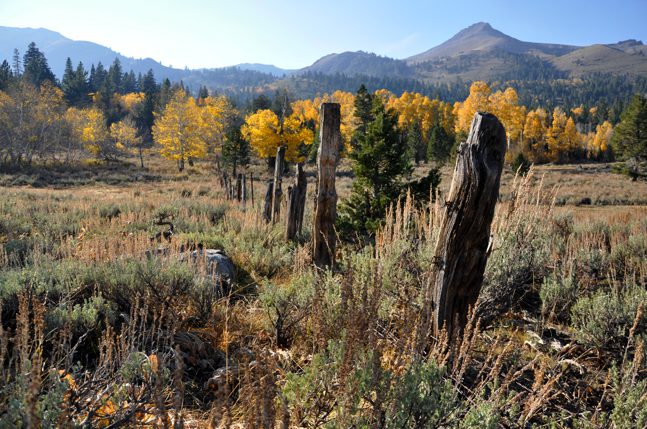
<point x="293" y="34"/>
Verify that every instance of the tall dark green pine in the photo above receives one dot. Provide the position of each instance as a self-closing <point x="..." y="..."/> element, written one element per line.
<point x="16" y="63"/>
<point x="260" y="103"/>
<point x="440" y="144"/>
<point x="630" y="135"/>
<point x="81" y="87"/>
<point x="36" y="69"/>
<point x="129" y="83"/>
<point x="97" y="81"/>
<point x="203" y="93"/>
<point x="165" y="94"/>
<point x="415" y="143"/>
<point x="115" y="76"/>
<point x="5" y="75"/>
<point x="380" y="165"/>
<point x="235" y="149"/>
<point x="68" y="83"/>
<point x="363" y="113"/>
<point x="151" y="95"/>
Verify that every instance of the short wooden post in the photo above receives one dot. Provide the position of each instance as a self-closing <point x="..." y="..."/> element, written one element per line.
<point x="225" y="181"/>
<point x="462" y="248"/>
<point x="239" y="186"/>
<point x="244" y="191"/>
<point x="267" y="208"/>
<point x="251" y="186"/>
<point x="296" y="204"/>
<point x="324" y="239"/>
<point x="277" y="191"/>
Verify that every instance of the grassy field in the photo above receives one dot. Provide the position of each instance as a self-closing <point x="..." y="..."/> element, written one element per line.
<point x="96" y="333"/>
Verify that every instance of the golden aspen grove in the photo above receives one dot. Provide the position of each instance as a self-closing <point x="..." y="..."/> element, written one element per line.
<point x="453" y="238"/>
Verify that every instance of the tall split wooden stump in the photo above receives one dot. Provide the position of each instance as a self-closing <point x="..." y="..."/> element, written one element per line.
<point x="461" y="251"/>
<point x="324" y="238"/>
<point x="296" y="204"/>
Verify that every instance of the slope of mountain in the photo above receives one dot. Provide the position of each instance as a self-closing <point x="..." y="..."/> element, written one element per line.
<point x="265" y="68"/>
<point x="57" y="48"/>
<point x="481" y="37"/>
<point x="364" y="63"/>
<point x="603" y="59"/>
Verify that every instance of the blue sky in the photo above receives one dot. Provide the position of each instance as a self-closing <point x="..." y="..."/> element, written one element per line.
<point x="293" y="34"/>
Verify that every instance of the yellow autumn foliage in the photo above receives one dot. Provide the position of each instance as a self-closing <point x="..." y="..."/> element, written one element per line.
<point x="266" y="133"/>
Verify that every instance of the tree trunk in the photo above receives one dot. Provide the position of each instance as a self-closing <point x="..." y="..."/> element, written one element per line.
<point x="141" y="157"/>
<point x="239" y="187"/>
<point x="296" y="204"/>
<point x="267" y="208"/>
<point x="251" y="186"/>
<point x="277" y="191"/>
<point x="462" y="248"/>
<point x="324" y="239"/>
<point x="244" y="193"/>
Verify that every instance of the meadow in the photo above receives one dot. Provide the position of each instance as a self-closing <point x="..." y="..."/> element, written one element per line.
<point x="96" y="332"/>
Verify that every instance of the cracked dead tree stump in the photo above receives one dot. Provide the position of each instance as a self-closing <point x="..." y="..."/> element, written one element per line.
<point x="277" y="192"/>
<point x="296" y="204"/>
<point x="462" y="248"/>
<point x="324" y="239"/>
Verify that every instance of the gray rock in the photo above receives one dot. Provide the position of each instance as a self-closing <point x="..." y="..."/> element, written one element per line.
<point x="219" y="269"/>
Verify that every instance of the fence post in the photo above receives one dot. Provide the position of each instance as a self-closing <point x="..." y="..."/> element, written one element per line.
<point x="296" y="204"/>
<point x="277" y="192"/>
<point x="462" y="248"/>
<point x="324" y="239"/>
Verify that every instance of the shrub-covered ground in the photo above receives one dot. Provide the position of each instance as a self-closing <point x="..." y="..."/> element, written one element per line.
<point x="96" y="332"/>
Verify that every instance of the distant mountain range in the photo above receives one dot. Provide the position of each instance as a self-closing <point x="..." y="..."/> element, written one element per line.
<point x="477" y="52"/>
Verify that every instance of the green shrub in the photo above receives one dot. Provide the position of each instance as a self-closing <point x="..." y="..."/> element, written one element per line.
<point x="558" y="296"/>
<point x="604" y="319"/>
<point x="109" y="212"/>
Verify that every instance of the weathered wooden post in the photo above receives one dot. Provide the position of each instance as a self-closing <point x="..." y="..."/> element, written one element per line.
<point x="244" y="192"/>
<point x="267" y="208"/>
<point x="251" y="186"/>
<point x="462" y="248"/>
<point x="296" y="204"/>
<point x="225" y="180"/>
<point x="277" y="191"/>
<point x="239" y="186"/>
<point x="324" y="239"/>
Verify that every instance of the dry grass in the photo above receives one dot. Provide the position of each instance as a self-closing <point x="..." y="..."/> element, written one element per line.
<point x="295" y="347"/>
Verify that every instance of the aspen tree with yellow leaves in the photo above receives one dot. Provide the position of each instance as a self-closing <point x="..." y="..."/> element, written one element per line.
<point x="266" y="133"/>
<point x="125" y="137"/>
<point x="178" y="130"/>
<point x="89" y="127"/>
<point x="478" y="100"/>
<point x="534" y="135"/>
<point x="556" y="147"/>
<point x="599" y="145"/>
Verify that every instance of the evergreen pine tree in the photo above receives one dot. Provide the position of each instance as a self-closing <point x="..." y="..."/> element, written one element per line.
<point x="5" y="75"/>
<point x="16" y="63"/>
<point x="129" y="83"/>
<point x="81" y="87"/>
<point x="440" y="145"/>
<point x="203" y="93"/>
<point x="363" y="113"/>
<point x="379" y="164"/>
<point x="151" y="95"/>
<point x="630" y="136"/>
<point x="415" y="143"/>
<point x="68" y="83"/>
<point x="92" y="79"/>
<point x="235" y="149"/>
<point x="36" y="69"/>
<point x="165" y="94"/>
<point x="115" y="76"/>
